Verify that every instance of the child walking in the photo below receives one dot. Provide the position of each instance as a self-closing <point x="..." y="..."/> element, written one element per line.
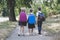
<point x="22" y="20"/>
<point x="40" y="19"/>
<point x="31" y="22"/>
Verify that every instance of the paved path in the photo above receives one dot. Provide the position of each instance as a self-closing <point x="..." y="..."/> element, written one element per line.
<point x="3" y="19"/>
<point x="14" y="35"/>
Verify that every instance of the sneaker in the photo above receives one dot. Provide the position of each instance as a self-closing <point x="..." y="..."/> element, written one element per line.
<point x="18" y="34"/>
<point x="30" y="34"/>
<point x="39" y="33"/>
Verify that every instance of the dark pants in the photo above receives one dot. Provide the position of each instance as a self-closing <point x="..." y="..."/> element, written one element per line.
<point x="39" y="26"/>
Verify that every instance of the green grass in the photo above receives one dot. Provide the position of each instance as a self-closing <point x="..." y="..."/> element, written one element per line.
<point x="6" y="28"/>
<point x="50" y="22"/>
<point x="6" y="25"/>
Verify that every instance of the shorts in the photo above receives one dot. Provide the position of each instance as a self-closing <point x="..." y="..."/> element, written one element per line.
<point x="31" y="25"/>
<point x="22" y="23"/>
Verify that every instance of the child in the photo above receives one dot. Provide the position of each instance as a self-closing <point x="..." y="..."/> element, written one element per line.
<point x="31" y="21"/>
<point x="40" y="19"/>
<point x="22" y="20"/>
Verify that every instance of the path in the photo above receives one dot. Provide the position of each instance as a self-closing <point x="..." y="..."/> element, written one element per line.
<point x="3" y="19"/>
<point x="14" y="35"/>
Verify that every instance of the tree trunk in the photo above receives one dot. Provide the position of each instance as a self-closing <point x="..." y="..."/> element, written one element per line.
<point x="11" y="5"/>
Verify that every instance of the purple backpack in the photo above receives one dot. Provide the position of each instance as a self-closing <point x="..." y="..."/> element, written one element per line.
<point x="23" y="17"/>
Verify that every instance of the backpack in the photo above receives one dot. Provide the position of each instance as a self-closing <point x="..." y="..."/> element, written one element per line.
<point x="41" y="17"/>
<point x="23" y="17"/>
<point x="31" y="19"/>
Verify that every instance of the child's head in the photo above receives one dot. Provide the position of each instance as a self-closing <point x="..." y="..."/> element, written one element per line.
<point x="23" y="9"/>
<point x="39" y="8"/>
<point x="31" y="10"/>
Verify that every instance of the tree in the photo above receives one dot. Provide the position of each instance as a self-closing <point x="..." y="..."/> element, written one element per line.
<point x="11" y="5"/>
<point x="0" y="1"/>
<point x="58" y="1"/>
<point x="23" y="3"/>
<point x="3" y="7"/>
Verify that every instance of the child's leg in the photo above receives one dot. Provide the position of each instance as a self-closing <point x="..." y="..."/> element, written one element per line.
<point x="29" y="31"/>
<point x="22" y="28"/>
<point x="40" y="28"/>
<point x="19" y="31"/>
<point x="32" y="30"/>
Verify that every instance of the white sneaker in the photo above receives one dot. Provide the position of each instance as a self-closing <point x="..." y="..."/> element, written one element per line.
<point x="23" y="34"/>
<point x="27" y="33"/>
<point x="41" y="35"/>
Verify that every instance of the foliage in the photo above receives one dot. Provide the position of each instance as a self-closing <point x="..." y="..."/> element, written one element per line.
<point x="44" y="10"/>
<point x="18" y="5"/>
<point x="3" y="6"/>
<point x="46" y="5"/>
<point x="22" y="3"/>
<point x="53" y="6"/>
<point x="58" y="1"/>
<point x="16" y="12"/>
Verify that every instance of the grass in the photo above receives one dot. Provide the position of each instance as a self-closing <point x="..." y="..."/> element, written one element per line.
<point x="6" y="28"/>
<point x="6" y="25"/>
<point x="52" y="28"/>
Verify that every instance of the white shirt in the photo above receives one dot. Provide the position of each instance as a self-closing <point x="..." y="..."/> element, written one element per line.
<point x="28" y="15"/>
<point x="37" y="13"/>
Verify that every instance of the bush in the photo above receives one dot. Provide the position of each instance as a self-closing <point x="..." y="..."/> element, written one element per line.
<point x="5" y="12"/>
<point x="58" y="12"/>
<point x="44" y="10"/>
<point x="16" y="12"/>
<point x="58" y="7"/>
